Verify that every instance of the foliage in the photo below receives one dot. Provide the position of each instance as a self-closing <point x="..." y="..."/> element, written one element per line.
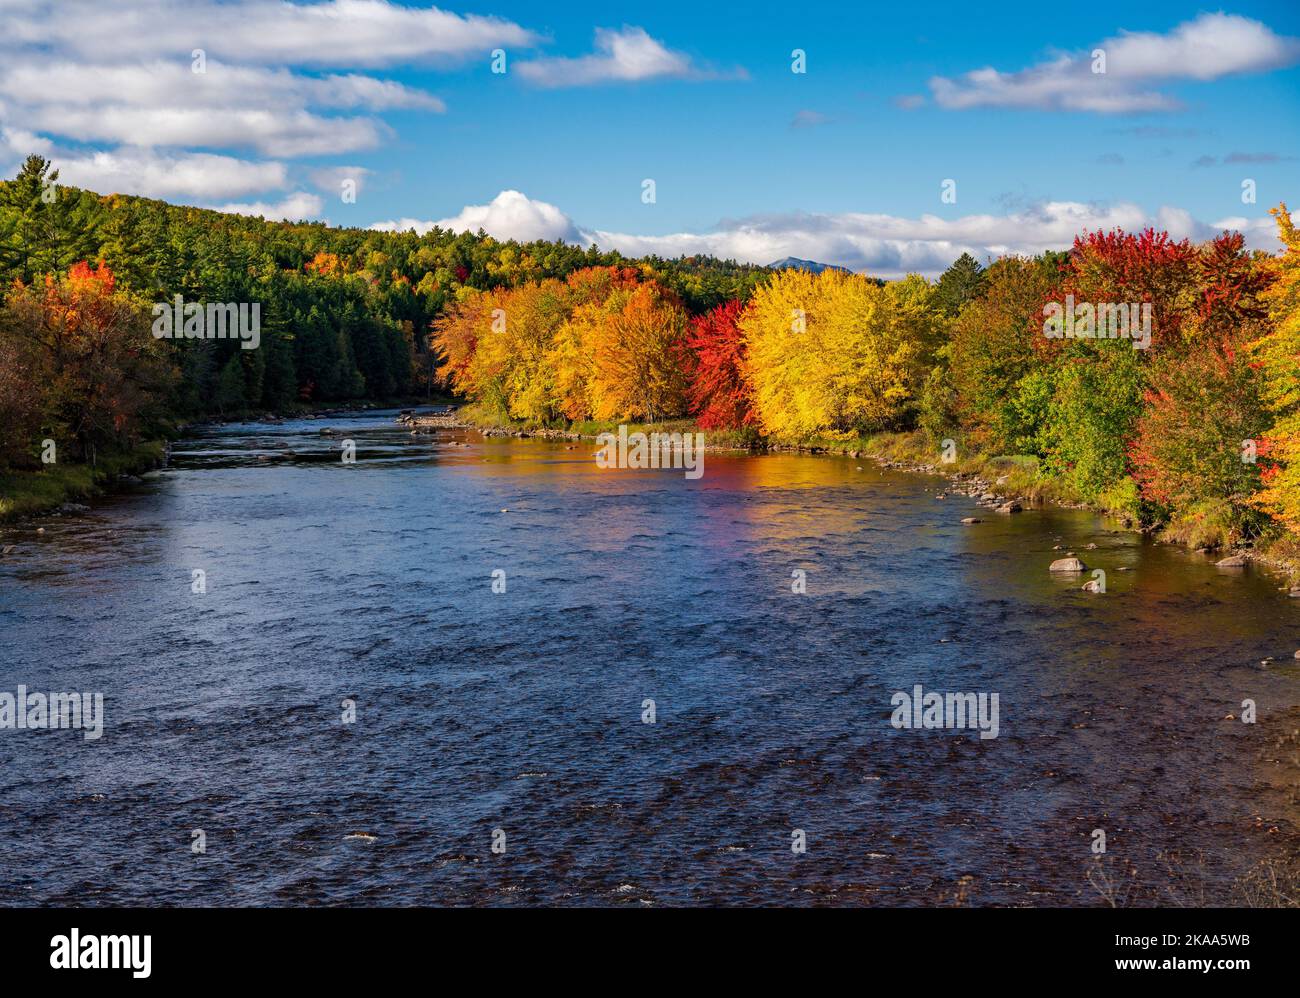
<point x="991" y="349"/>
<point x="836" y="353"/>
<point x="1277" y="355"/>
<point x="85" y="349"/>
<point x="720" y="391"/>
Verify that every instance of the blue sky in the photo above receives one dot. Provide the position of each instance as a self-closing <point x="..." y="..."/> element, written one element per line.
<point x="845" y="161"/>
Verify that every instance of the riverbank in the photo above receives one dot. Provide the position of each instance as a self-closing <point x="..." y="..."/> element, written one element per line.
<point x="25" y="494"/>
<point x="1001" y="483"/>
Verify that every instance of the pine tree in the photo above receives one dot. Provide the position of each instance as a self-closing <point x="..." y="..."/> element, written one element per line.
<point x="959" y="284"/>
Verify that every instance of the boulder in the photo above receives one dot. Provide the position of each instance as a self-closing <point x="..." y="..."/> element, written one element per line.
<point x="1067" y="565"/>
<point x="1010" y="507"/>
<point x="970" y="519"/>
<point x="1232" y="561"/>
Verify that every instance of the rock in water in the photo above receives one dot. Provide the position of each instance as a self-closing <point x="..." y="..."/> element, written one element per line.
<point x="1067" y="565"/>
<point x="970" y="519"/>
<point x="1233" y="561"/>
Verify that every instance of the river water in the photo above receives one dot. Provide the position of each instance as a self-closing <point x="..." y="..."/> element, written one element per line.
<point x="520" y="717"/>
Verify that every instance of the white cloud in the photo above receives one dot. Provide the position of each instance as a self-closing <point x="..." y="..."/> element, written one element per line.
<point x="186" y="175"/>
<point x="882" y="245"/>
<point x="274" y="133"/>
<point x="621" y="56"/>
<point x="143" y="171"/>
<point x="35" y="80"/>
<point x="369" y="33"/>
<point x="885" y="245"/>
<point x="17" y="144"/>
<point x="118" y="74"/>
<point x="1207" y="48"/>
<point x="296" y="206"/>
<point x="510" y="215"/>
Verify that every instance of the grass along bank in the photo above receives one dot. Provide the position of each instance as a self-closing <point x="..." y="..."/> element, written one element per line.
<point x="29" y="493"/>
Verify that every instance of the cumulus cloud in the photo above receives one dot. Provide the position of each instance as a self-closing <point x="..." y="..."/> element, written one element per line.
<point x="297" y="206"/>
<point x="369" y="33"/>
<point x="1207" y="48"/>
<point x="186" y="175"/>
<point x="195" y="177"/>
<point x="161" y="83"/>
<point x="62" y="88"/>
<point x="882" y="245"/>
<point x="274" y="133"/>
<point x="17" y="144"/>
<point x="226" y="106"/>
<point x="621" y="56"/>
<point x="510" y="215"/>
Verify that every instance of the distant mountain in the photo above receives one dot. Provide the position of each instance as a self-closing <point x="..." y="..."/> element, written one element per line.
<point x="794" y="263"/>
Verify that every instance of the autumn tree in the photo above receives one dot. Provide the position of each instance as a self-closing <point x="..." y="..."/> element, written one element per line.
<point x="991" y="348"/>
<point x="91" y="351"/>
<point x="719" y="392"/>
<point x="1278" y="355"/>
<point x="835" y="353"/>
<point x="636" y="350"/>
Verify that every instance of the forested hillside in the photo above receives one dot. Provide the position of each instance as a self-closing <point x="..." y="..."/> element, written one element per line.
<point x="345" y="313"/>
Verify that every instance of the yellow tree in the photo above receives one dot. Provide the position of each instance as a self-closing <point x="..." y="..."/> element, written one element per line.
<point x="836" y="353"/>
<point x="637" y="352"/>
<point x="572" y="361"/>
<point x="456" y="334"/>
<point x="1278" y="355"/>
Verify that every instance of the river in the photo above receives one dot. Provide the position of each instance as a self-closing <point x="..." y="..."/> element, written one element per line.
<point x="228" y="774"/>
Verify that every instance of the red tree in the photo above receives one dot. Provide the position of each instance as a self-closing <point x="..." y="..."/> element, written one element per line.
<point x="719" y="392"/>
<point x="1119" y="267"/>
